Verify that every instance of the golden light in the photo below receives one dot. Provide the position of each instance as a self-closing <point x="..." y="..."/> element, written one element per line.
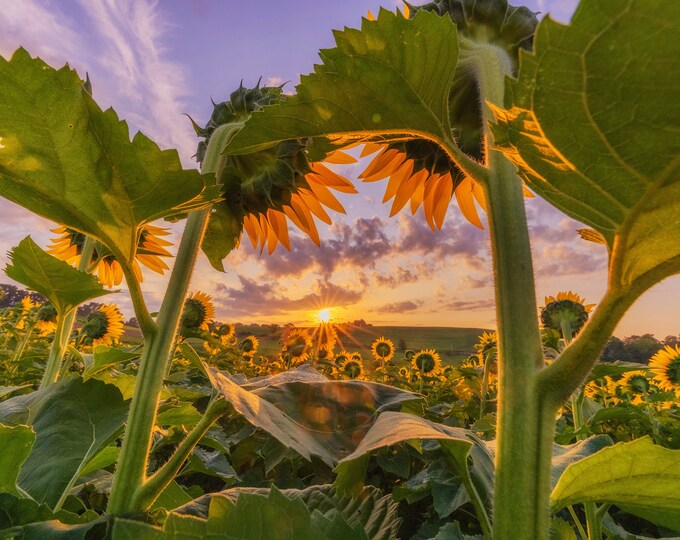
<point x="324" y="315"/>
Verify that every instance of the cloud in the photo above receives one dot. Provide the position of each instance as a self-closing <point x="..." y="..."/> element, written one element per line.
<point x="360" y="245"/>
<point x="468" y="282"/>
<point x="457" y="238"/>
<point x="468" y="305"/>
<point x="399" y="307"/>
<point x="564" y="260"/>
<point x="133" y="33"/>
<point x="44" y="31"/>
<point x="268" y="298"/>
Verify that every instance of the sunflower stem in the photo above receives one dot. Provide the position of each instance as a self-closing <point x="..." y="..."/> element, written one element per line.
<point x="160" y="479"/>
<point x="147" y="325"/>
<point x="525" y="427"/>
<point x="130" y="474"/>
<point x="65" y="322"/>
<point x="56" y="355"/>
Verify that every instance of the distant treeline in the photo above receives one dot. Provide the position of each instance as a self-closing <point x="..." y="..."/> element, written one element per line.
<point x="636" y="348"/>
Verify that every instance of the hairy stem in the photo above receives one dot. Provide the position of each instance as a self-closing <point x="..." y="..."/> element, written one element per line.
<point x="157" y="482"/>
<point x="520" y="501"/>
<point x="132" y="466"/>
<point x="65" y="322"/>
<point x="146" y="323"/>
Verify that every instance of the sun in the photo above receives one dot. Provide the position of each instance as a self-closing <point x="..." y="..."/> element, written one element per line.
<point x="324" y="315"/>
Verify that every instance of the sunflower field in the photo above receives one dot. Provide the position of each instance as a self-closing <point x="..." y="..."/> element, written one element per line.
<point x="185" y="431"/>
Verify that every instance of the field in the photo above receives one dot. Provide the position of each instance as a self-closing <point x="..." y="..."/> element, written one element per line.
<point x="452" y="344"/>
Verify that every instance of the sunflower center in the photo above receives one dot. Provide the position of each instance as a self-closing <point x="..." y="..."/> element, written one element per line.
<point x="248" y="345"/>
<point x="673" y="371"/>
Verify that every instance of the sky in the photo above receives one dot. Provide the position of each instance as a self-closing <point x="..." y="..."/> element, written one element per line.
<point x="156" y="61"/>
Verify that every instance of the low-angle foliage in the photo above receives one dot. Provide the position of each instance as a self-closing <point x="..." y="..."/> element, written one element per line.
<point x="180" y="426"/>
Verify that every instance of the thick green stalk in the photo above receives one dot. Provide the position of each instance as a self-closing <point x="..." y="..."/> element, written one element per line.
<point x="65" y="324"/>
<point x="160" y="479"/>
<point x="132" y="466"/>
<point x="520" y="501"/>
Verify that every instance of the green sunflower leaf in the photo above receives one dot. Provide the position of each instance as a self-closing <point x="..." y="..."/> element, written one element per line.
<point x="15" y="445"/>
<point x="458" y="444"/>
<point x="393" y="76"/>
<point x="592" y="126"/>
<point x="639" y="476"/>
<point x="64" y="286"/>
<point x="64" y="158"/>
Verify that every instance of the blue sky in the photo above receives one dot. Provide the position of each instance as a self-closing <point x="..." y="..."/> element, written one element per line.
<point x="153" y="61"/>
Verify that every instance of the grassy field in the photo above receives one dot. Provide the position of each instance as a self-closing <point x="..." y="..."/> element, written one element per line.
<point x="452" y="344"/>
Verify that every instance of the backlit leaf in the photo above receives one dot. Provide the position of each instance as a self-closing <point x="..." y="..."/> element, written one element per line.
<point x="392" y="76"/>
<point x="65" y="159"/>
<point x="15" y="445"/>
<point x="638" y="476"/>
<point x="592" y="125"/>
<point x="64" y="286"/>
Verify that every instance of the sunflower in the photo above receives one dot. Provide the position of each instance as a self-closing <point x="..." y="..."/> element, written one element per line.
<point x="419" y="170"/>
<point x="382" y="349"/>
<point x="150" y="248"/>
<point x="198" y="310"/>
<point x="46" y="319"/>
<point x="427" y="362"/>
<point x="352" y="367"/>
<point x="325" y="352"/>
<point x="265" y="189"/>
<point x="104" y="325"/>
<point x="404" y="373"/>
<point x="665" y="365"/>
<point x="636" y="384"/>
<point x="409" y="354"/>
<point x="341" y="357"/>
<point x="567" y="309"/>
<point x="296" y="346"/>
<point x="25" y="306"/>
<point x="226" y="332"/>
<point x="249" y="346"/>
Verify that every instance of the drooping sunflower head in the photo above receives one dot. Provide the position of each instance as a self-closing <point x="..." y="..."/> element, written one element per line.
<point x="262" y="189"/>
<point x="636" y="384"/>
<point x="352" y="367"/>
<point x="325" y="352"/>
<point x="104" y="325"/>
<point x="487" y="344"/>
<point x="382" y="349"/>
<point x="341" y="357"/>
<point x="249" y="346"/>
<point x="68" y="247"/>
<point x="296" y="345"/>
<point x="226" y="332"/>
<point x="427" y="362"/>
<point x="567" y="310"/>
<point x="198" y="311"/>
<point x="419" y="170"/>
<point x="46" y="319"/>
<point x="665" y="365"/>
<point x="409" y="354"/>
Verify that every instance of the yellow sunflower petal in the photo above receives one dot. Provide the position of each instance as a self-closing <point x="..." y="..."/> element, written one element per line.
<point x="340" y="158"/>
<point x="314" y="206"/>
<point x="466" y="202"/>
<point x="406" y="190"/>
<point x="325" y="195"/>
<point x="397" y="179"/>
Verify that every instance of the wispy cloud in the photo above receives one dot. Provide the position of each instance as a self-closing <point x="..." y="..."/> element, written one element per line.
<point x="133" y="35"/>
<point x="399" y="307"/>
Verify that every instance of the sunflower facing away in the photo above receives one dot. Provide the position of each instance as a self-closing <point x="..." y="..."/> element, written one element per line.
<point x="198" y="310"/>
<point x="633" y="386"/>
<point x="565" y="309"/>
<point x="262" y="190"/>
<point x="104" y="326"/>
<point x="296" y="346"/>
<point x="352" y="367"/>
<point x="382" y="349"/>
<point x="46" y="319"/>
<point x="427" y="362"/>
<point x="249" y="346"/>
<point x="665" y="365"/>
<point x="151" y="247"/>
<point x="419" y="170"/>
